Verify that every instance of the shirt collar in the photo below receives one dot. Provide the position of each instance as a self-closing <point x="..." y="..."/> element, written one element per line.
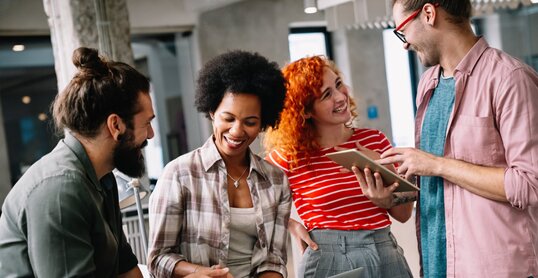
<point x="211" y="156"/>
<point x="76" y="147"/>
<point x="470" y="60"/>
<point x="466" y="65"/>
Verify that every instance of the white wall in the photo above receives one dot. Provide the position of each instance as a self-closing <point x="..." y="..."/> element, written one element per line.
<point x="253" y="25"/>
<point x="13" y="11"/>
<point x="158" y="16"/>
<point x="405" y="234"/>
<point x="368" y="76"/>
<point x="155" y="16"/>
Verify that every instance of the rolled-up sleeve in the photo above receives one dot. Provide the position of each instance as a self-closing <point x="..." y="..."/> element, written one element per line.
<point x="517" y="104"/>
<point x="165" y="224"/>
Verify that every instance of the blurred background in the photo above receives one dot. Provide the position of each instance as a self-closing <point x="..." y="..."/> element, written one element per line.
<point x="169" y="40"/>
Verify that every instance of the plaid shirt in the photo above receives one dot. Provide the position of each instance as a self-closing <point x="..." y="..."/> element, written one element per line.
<point x="189" y="213"/>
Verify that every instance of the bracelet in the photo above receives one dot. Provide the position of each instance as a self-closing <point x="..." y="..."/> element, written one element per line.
<point x="195" y="269"/>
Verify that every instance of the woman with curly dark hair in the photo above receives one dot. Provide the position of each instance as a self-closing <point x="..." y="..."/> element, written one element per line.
<point x="345" y="214"/>
<point x="221" y="207"/>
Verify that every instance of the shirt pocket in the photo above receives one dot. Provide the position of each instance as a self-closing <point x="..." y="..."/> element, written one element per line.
<point x="476" y="139"/>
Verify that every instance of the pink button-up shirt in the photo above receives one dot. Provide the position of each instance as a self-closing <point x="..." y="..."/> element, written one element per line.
<point x="494" y="123"/>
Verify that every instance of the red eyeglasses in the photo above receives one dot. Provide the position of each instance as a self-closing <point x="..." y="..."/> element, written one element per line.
<point x="412" y="16"/>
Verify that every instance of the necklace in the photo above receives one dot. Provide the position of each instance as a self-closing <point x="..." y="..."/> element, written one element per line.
<point x="236" y="181"/>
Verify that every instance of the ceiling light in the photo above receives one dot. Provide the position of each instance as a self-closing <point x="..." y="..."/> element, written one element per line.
<point x="18" y="47"/>
<point x="26" y="99"/>
<point x="42" y="117"/>
<point x="310" y="6"/>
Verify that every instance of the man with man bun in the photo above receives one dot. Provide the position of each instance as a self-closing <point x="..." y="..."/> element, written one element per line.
<point x="62" y="218"/>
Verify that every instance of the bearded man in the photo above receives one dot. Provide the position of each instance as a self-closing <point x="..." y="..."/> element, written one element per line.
<point x="62" y="218"/>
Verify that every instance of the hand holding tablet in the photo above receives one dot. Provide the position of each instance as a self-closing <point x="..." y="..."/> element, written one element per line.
<point x="352" y="157"/>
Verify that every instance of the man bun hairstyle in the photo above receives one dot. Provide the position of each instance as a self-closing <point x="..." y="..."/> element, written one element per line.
<point x="87" y="60"/>
<point x="98" y="89"/>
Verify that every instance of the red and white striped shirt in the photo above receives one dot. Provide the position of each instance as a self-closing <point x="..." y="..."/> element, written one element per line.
<point x="325" y="197"/>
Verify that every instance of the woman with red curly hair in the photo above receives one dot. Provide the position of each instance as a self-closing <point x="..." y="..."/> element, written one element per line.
<point x="345" y="214"/>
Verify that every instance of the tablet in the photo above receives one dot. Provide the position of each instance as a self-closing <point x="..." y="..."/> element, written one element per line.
<point x="354" y="273"/>
<point x="353" y="157"/>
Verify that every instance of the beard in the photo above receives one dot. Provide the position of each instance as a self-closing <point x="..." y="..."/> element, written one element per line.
<point x="428" y="53"/>
<point x="128" y="157"/>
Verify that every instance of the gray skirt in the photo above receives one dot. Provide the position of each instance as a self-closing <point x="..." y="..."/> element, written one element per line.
<point x="339" y="251"/>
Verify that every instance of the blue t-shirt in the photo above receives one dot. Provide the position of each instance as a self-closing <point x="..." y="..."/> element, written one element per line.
<point x="432" y="206"/>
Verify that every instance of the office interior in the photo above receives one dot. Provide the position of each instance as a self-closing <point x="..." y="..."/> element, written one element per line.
<point x="171" y="39"/>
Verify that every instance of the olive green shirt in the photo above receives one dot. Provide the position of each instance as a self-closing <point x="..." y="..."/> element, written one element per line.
<point x="60" y="221"/>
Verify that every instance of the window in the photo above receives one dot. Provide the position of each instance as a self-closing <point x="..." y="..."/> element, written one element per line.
<point x="309" y="41"/>
<point x="27" y="88"/>
<point x="401" y="85"/>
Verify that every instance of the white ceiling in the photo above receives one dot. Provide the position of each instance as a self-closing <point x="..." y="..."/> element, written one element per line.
<point x="27" y="17"/>
<point x="206" y="5"/>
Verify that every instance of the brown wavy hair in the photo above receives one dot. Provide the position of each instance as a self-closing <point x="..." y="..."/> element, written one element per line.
<point x="98" y="89"/>
<point x="295" y="134"/>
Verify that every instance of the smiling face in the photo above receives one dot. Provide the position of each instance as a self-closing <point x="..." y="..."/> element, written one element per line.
<point x="416" y="33"/>
<point x="333" y="105"/>
<point x="128" y="156"/>
<point x="236" y="123"/>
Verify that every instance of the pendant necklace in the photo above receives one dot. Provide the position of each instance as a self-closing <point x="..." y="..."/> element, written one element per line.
<point x="236" y="181"/>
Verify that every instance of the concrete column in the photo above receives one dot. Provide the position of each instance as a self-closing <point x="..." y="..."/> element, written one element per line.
<point x="98" y="24"/>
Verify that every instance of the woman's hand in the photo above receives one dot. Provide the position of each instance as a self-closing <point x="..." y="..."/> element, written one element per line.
<point x="214" y="271"/>
<point x="301" y="236"/>
<point x="374" y="189"/>
<point x="372" y="184"/>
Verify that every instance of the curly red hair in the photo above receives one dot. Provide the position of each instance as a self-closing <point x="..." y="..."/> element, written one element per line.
<point x="295" y="134"/>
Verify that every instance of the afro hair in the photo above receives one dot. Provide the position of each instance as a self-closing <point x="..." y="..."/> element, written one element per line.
<point x="242" y="72"/>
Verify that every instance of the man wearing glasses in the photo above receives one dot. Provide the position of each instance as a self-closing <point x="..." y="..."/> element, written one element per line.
<point x="477" y="140"/>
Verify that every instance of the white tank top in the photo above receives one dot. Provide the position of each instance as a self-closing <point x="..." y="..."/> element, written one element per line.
<point x="243" y="236"/>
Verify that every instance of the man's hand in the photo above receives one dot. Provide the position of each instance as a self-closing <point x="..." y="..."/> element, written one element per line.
<point x="411" y="162"/>
<point x="301" y="236"/>
<point x="485" y="181"/>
